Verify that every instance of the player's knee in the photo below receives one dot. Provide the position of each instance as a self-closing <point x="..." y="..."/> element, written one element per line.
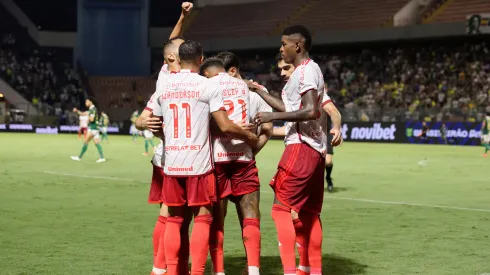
<point x="202" y="210"/>
<point x="294" y="215"/>
<point x="329" y="160"/>
<point x="164" y="210"/>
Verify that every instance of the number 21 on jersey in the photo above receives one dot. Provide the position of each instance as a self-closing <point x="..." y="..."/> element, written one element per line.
<point x="230" y="108"/>
<point x="176" y="108"/>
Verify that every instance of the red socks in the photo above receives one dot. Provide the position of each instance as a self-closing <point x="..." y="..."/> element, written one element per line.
<point x="251" y="240"/>
<point x="216" y="239"/>
<point x="286" y="236"/>
<point x="315" y="246"/>
<point x="158" y="240"/>
<point x="199" y="244"/>
<point x="172" y="244"/>
<point x="302" y="242"/>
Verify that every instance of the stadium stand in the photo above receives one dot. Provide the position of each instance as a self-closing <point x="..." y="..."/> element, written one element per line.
<point x="119" y="96"/>
<point x="242" y="20"/>
<point x="355" y="14"/>
<point x="457" y="10"/>
<point x="43" y="76"/>
<point x="319" y="15"/>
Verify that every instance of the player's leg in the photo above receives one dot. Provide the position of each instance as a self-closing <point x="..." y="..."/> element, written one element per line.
<point x="216" y="239"/>
<point x="249" y="208"/>
<point x="146" y="147"/>
<point x="286" y="235"/>
<point x="86" y="141"/>
<point x="302" y="243"/>
<point x="199" y="243"/>
<point x="172" y="240"/>
<point x="298" y="171"/>
<point x="159" y="260"/>
<point x="98" y="146"/>
<point x="217" y="235"/>
<point x="310" y="219"/>
<point x="79" y="132"/>
<point x="328" y="170"/>
<point x="246" y="189"/>
<point x="329" y="163"/>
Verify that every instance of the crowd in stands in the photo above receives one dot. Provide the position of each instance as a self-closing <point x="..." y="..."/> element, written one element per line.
<point x="42" y="75"/>
<point x="53" y="89"/>
<point x="447" y="80"/>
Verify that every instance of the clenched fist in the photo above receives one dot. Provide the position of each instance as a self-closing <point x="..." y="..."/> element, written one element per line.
<point x="186" y="8"/>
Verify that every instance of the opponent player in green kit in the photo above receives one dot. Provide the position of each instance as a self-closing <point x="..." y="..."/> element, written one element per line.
<point x="133" y="130"/>
<point x="485" y="134"/>
<point x="93" y="131"/>
<point x="104" y="123"/>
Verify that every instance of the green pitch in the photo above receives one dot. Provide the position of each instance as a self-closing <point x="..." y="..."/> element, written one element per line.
<point x="398" y="209"/>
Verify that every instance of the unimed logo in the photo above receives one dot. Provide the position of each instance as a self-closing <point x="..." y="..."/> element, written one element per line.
<point x="375" y="132"/>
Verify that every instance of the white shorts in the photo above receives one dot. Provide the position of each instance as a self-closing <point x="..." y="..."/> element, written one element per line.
<point x="147" y="134"/>
<point x="103" y="130"/>
<point x="133" y="130"/>
<point x="94" y="133"/>
<point x="486" y="138"/>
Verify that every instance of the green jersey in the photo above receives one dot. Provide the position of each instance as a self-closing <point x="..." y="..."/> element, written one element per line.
<point x="104" y="120"/>
<point x="486" y="126"/>
<point x="92" y="113"/>
<point x="134" y="116"/>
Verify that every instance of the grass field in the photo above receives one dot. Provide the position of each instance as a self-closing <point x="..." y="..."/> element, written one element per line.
<point x="397" y="209"/>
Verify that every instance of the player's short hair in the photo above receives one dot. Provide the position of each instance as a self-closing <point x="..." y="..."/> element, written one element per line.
<point x="209" y="63"/>
<point x="170" y="42"/>
<point x="229" y="60"/>
<point x="190" y="51"/>
<point x="279" y="57"/>
<point x="299" y="30"/>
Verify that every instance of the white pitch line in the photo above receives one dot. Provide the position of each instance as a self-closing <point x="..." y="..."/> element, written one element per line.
<point x="91" y="177"/>
<point x="270" y="192"/>
<point x="411" y="204"/>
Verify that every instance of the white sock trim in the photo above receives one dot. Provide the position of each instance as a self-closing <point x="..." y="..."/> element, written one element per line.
<point x="253" y="270"/>
<point x="304" y="268"/>
<point x="159" y="271"/>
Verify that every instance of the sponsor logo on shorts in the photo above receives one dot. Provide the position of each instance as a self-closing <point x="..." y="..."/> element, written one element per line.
<point x="230" y="154"/>
<point x="180" y="169"/>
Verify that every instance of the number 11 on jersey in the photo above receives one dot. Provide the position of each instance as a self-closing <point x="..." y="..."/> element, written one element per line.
<point x="175" y="111"/>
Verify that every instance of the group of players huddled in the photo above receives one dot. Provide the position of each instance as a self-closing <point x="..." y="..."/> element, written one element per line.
<point x="212" y="124"/>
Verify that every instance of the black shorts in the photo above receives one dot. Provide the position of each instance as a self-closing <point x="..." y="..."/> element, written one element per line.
<point x="329" y="144"/>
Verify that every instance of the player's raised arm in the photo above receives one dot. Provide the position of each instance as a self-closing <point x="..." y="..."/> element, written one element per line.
<point x="179" y="27"/>
<point x="307" y="112"/>
<point x="274" y="102"/>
